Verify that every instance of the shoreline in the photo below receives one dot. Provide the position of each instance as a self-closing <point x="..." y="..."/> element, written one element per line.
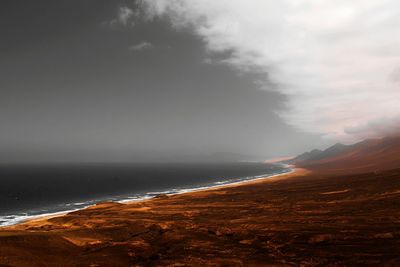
<point x="257" y="179"/>
<point x="300" y="217"/>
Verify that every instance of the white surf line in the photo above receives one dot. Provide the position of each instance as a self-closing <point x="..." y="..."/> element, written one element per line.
<point x="23" y="218"/>
<point x="17" y="219"/>
<point x="204" y="188"/>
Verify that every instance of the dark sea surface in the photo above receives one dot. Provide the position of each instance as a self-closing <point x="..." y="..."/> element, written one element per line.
<point x="32" y="190"/>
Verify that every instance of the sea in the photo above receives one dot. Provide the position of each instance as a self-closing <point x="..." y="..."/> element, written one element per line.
<point x="34" y="190"/>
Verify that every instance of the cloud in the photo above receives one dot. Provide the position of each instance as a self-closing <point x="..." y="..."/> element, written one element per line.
<point x="337" y="61"/>
<point x="141" y="46"/>
<point x="376" y="128"/>
<point x="125" y="17"/>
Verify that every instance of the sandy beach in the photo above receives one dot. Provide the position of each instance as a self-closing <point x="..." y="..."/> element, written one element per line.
<point x="288" y="169"/>
<point x="40" y="219"/>
<point x="289" y="220"/>
<point x="141" y="133"/>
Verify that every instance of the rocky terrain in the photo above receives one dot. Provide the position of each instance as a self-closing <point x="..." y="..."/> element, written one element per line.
<point x="304" y="219"/>
<point x="313" y="217"/>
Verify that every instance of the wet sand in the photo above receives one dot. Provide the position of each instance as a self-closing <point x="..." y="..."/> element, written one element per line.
<point x="301" y="218"/>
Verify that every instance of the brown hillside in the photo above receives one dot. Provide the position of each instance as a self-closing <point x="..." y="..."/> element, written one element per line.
<point x="372" y="155"/>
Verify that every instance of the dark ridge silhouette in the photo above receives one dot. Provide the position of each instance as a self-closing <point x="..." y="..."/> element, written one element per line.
<point x="302" y="157"/>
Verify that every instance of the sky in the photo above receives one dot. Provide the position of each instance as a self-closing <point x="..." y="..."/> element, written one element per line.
<point x="194" y="80"/>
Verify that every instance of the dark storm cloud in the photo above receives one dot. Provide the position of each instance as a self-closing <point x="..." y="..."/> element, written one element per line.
<point x="75" y="89"/>
<point x="332" y="59"/>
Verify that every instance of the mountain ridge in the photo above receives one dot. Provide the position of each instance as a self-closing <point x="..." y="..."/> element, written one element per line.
<point x="367" y="155"/>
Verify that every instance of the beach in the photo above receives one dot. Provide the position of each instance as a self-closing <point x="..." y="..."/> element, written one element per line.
<point x="292" y="219"/>
<point x="291" y="170"/>
<point x="31" y="191"/>
<point x="141" y="133"/>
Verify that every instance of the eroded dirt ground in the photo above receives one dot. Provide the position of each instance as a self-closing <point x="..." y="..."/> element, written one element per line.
<point x="311" y="220"/>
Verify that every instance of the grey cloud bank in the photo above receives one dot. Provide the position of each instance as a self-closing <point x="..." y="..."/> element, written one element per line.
<point x="71" y="90"/>
<point x="336" y="61"/>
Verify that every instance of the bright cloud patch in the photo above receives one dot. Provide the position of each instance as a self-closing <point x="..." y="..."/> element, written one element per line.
<point x="141" y="46"/>
<point x="125" y="17"/>
<point x="337" y="61"/>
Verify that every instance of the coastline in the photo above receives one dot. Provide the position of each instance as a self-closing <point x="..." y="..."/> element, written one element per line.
<point x="291" y="170"/>
<point x="297" y="218"/>
<point x="257" y="179"/>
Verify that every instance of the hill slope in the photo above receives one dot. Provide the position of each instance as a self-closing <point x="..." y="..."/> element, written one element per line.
<point x="366" y="156"/>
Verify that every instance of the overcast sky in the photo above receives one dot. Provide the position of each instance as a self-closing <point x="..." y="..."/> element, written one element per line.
<point x="100" y="80"/>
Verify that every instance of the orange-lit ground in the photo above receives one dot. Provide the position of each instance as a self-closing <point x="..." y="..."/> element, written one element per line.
<point x="298" y="219"/>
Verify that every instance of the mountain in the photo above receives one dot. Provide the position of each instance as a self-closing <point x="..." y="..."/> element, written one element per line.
<point x="365" y="156"/>
<point x="303" y="157"/>
<point x="330" y="152"/>
<point x="317" y="154"/>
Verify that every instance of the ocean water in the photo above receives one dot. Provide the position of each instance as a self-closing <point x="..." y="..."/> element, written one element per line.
<point x="32" y="190"/>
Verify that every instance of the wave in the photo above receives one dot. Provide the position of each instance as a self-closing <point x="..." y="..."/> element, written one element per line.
<point x="12" y="219"/>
